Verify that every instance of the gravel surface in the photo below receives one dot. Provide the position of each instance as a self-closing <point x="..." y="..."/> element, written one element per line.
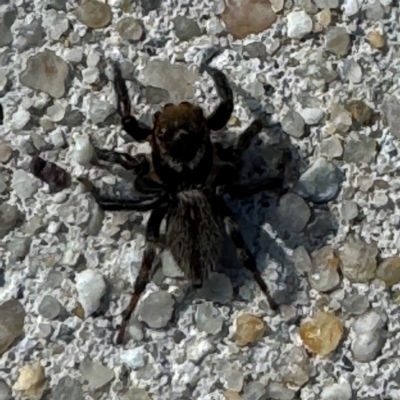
<point x="328" y="72"/>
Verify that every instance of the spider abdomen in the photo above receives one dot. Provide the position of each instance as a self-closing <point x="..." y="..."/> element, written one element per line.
<point x="193" y="234"/>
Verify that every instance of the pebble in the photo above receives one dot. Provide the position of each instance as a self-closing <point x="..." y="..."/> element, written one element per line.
<point x="57" y="138"/>
<point x="3" y="182"/>
<point x="296" y="366"/>
<point x="330" y="4"/>
<point x="254" y="391"/>
<point x="20" y="119"/>
<point x="59" y="5"/>
<point x="374" y="11"/>
<point x="293" y="213"/>
<point x="170" y="267"/>
<point x="337" y="391"/>
<point x="337" y="40"/>
<point x="320" y="183"/>
<point x="391" y="112"/>
<point x="233" y="379"/>
<point x="49" y="307"/>
<point x="376" y="40"/>
<point x="340" y="117"/>
<point x="7" y="18"/>
<point x="324" y="275"/>
<point x="199" y="349"/>
<point x="245" y="17"/>
<point x="94" y="14"/>
<point x="231" y="395"/>
<point x="324" y="17"/>
<point x="357" y="260"/>
<point x="24" y="184"/>
<point x="134" y="358"/>
<point x="293" y="124"/>
<point x="68" y="388"/>
<point x="277" y="391"/>
<point x="249" y="329"/>
<point x="59" y="27"/>
<point x="138" y="394"/>
<point x="130" y="29"/>
<point x="349" y="210"/>
<point x="29" y="34"/>
<point x="361" y="114"/>
<point x="5" y="152"/>
<point x="83" y="151"/>
<point x="157" y="309"/>
<point x="209" y="319"/>
<point x="56" y="112"/>
<point x="9" y="216"/>
<point x="31" y="381"/>
<point x="95" y="219"/>
<point x="312" y="116"/>
<point x="331" y="147"/>
<point x="217" y="288"/>
<point x="91" y="288"/>
<point x="96" y="374"/>
<point x="352" y="71"/>
<point x="5" y="390"/>
<point x="19" y="247"/>
<point x="299" y="24"/>
<point x="47" y="72"/>
<point x="322" y="333"/>
<point x="368" y="338"/>
<point x="389" y="271"/>
<point x="99" y="110"/>
<point x="360" y="149"/>
<point x="356" y="304"/>
<point x="351" y="7"/>
<point x="186" y="28"/>
<point x="91" y="75"/>
<point x="301" y="260"/>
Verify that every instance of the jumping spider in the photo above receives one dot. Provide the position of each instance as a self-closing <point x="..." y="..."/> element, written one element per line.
<point x="180" y="183"/>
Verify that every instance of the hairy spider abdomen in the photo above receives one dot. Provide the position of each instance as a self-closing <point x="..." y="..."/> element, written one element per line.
<point x="193" y="234"/>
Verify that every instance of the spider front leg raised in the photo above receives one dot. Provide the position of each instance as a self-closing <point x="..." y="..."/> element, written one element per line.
<point x="130" y="124"/>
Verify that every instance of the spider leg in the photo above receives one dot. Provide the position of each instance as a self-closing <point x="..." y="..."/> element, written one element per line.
<point x="136" y="203"/>
<point x="143" y="278"/>
<point x="243" y="251"/>
<point x="241" y="191"/>
<point x="140" y="164"/>
<point x="130" y="124"/>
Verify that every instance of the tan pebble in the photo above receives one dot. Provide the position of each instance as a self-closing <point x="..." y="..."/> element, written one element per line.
<point x="249" y="328"/>
<point x="31" y="380"/>
<point x="376" y="40"/>
<point x="324" y="17"/>
<point x="231" y="395"/>
<point x="389" y="271"/>
<point x="5" y="152"/>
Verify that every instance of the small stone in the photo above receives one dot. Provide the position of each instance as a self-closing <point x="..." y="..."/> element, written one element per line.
<point x="353" y="71"/>
<point x="9" y="216"/>
<point x="5" y="152"/>
<point x="31" y="381"/>
<point x="391" y="113"/>
<point x="254" y="391"/>
<point x="56" y="112"/>
<point x="320" y="183"/>
<point x="47" y="72"/>
<point x="330" y="4"/>
<point x="374" y="11"/>
<point x="362" y="114"/>
<point x="368" y="338"/>
<point x="376" y="40"/>
<point x="50" y="307"/>
<point x="7" y="18"/>
<point x="199" y="349"/>
<point x="57" y="138"/>
<point x="68" y="388"/>
<point x="96" y="374"/>
<point x="293" y="124"/>
<point x="230" y="395"/>
<point x="358" y="260"/>
<point x="24" y="184"/>
<point x="389" y="271"/>
<point x="356" y="304"/>
<point x="5" y="390"/>
<point x="134" y="358"/>
<point x="340" y="117"/>
<point x="233" y="379"/>
<point x="18" y="247"/>
<point x="245" y="17"/>
<point x="324" y="17"/>
<point x="170" y="267"/>
<point x="99" y="110"/>
<point x="59" y="5"/>
<point x="130" y="29"/>
<point x="249" y="328"/>
<point x="322" y="333"/>
<point x="331" y="147"/>
<point x="59" y="27"/>
<point x="349" y="210"/>
<point x="91" y="288"/>
<point x="277" y="391"/>
<point x="337" y="391"/>
<point x="94" y="14"/>
<point x="301" y="259"/>
<point x="20" y="119"/>
<point x="138" y="394"/>
<point x="277" y="5"/>
<point x="351" y="7"/>
<point x="74" y="55"/>
<point x="217" y="288"/>
<point x="311" y="116"/>
<point x="66" y="334"/>
<point x="293" y="213"/>
<point x="208" y="319"/>
<point x="157" y="309"/>
<point x="337" y="41"/>
<point x="299" y="24"/>
<point x="186" y="28"/>
<point x="360" y="149"/>
<point x="324" y="275"/>
<point x="91" y="75"/>
<point x="83" y="152"/>
<point x="29" y="35"/>
<point x="296" y="366"/>
<point x="96" y="219"/>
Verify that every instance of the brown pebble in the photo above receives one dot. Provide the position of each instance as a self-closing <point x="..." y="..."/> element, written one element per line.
<point x="389" y="271"/>
<point x="376" y="40"/>
<point x="94" y="14"/>
<point x="5" y="152"/>
<point x="249" y="328"/>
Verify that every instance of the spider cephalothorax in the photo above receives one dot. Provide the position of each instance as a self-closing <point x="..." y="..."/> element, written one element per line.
<point x="177" y="184"/>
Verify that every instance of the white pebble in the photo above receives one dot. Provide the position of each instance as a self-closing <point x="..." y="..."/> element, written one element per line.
<point x="134" y="358"/>
<point x="299" y="23"/>
<point x="312" y="116"/>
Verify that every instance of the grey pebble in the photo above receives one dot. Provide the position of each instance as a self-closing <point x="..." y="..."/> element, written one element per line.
<point x="356" y="304"/>
<point x="349" y="210"/>
<point x="134" y="358"/>
<point x="337" y="40"/>
<point x="209" y="319"/>
<point x="301" y="260"/>
<point x="24" y="184"/>
<point x="19" y="247"/>
<point x="50" y="307"/>
<point x="293" y="124"/>
<point x="7" y="18"/>
<point x="99" y="110"/>
<point x="278" y="391"/>
<point x="138" y="394"/>
<point x="340" y="117"/>
<point x="293" y="213"/>
<point x="337" y="391"/>
<point x="130" y="29"/>
<point x="9" y="216"/>
<point x="360" y="149"/>
<point x="299" y="24"/>
<point x="320" y="183"/>
<point x="5" y="390"/>
<point x="254" y="391"/>
<point x="186" y="28"/>
<point x="28" y="35"/>
<point x="156" y="310"/>
<point x="68" y="389"/>
<point x="96" y="374"/>
<point x="331" y="147"/>
<point x="324" y="274"/>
